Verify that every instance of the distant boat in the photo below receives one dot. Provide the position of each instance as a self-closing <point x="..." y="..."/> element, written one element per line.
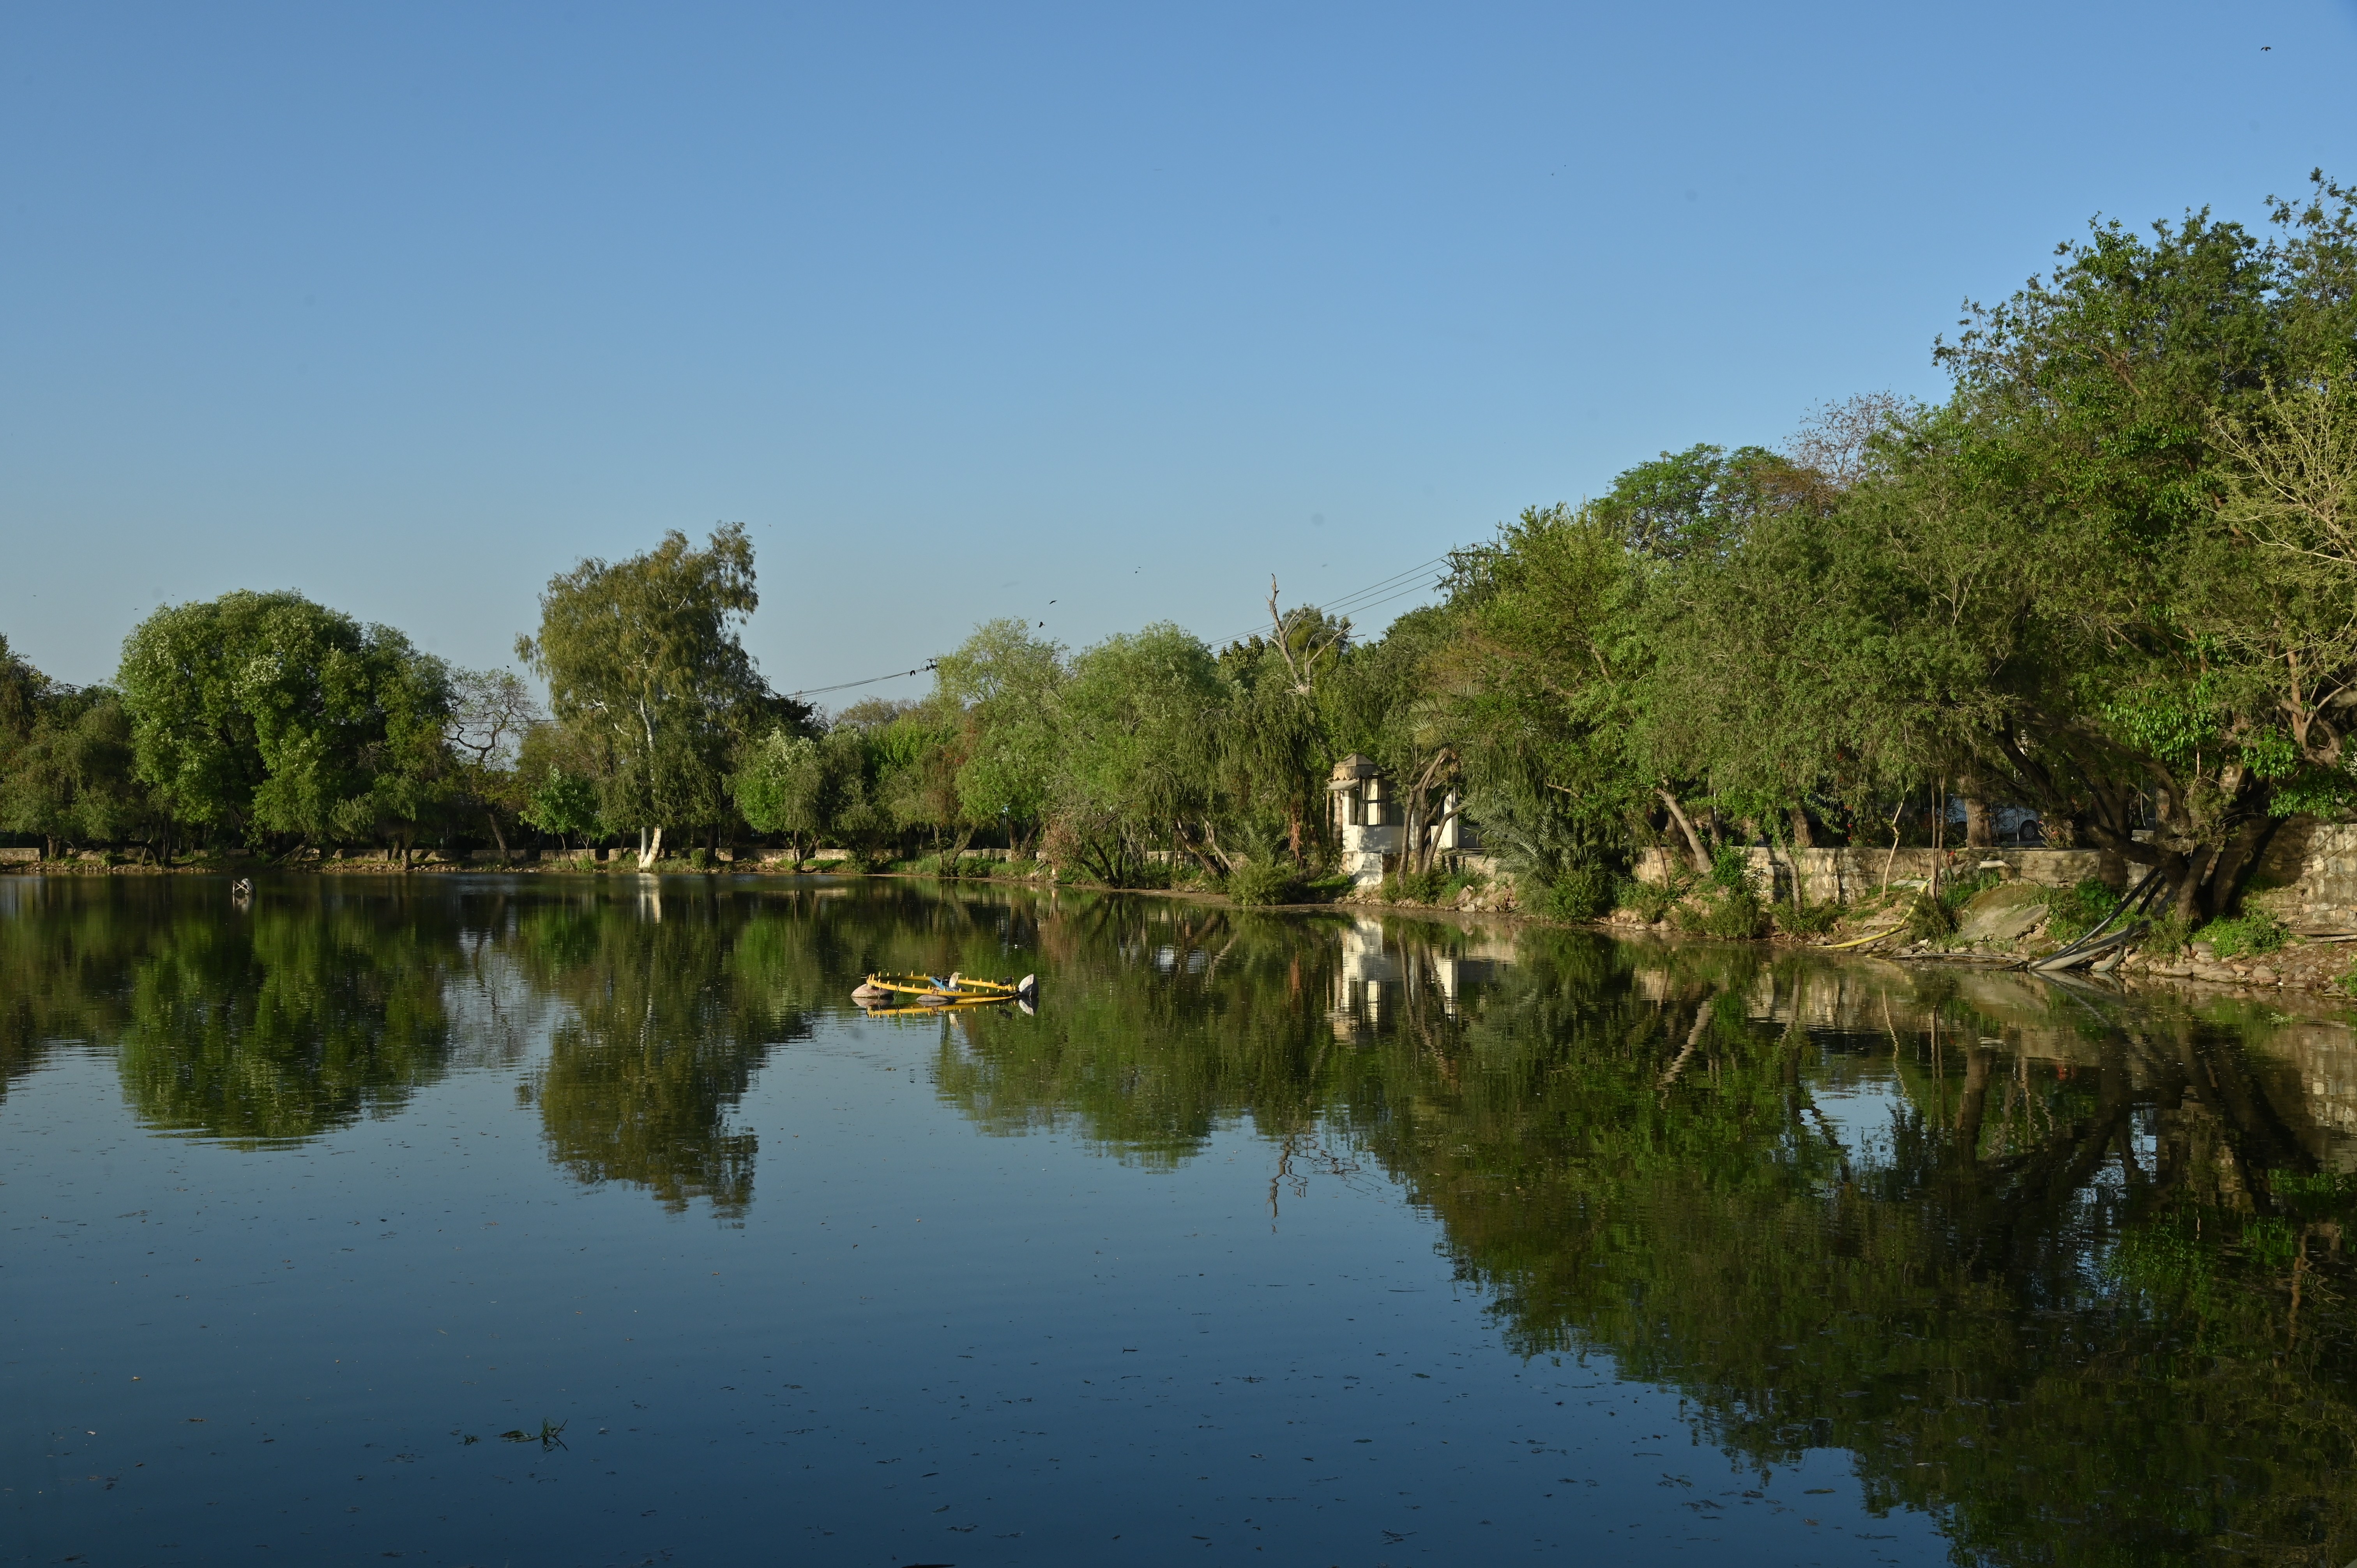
<point x="932" y="991"/>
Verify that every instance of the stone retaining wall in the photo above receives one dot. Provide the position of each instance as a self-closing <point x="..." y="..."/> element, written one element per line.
<point x="1829" y="875"/>
<point x="2307" y="876"/>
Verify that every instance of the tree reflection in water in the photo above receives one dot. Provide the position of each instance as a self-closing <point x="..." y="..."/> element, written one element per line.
<point x="2082" y="1292"/>
<point x="2068" y="1272"/>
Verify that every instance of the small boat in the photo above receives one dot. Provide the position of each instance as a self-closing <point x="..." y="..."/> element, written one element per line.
<point x="932" y="991"/>
<point x="931" y="1009"/>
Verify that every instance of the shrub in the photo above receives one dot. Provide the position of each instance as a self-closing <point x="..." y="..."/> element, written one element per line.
<point x="1929" y="917"/>
<point x="699" y="859"/>
<point x="1958" y="892"/>
<point x="1579" y="893"/>
<point x="1651" y="900"/>
<point x="2167" y="935"/>
<point x="2255" y="932"/>
<point x="2072" y="912"/>
<point x="1412" y="887"/>
<point x="1265" y="881"/>
<point x="1730" y="867"/>
<point x="1458" y="882"/>
<point x="1735" y="915"/>
<point x="1808" y="919"/>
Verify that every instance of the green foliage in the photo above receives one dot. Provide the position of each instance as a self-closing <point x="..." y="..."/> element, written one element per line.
<point x="2255" y="932"/>
<point x="2168" y="935"/>
<point x="2072" y="912"/>
<point x="1006" y="684"/>
<point x="1808" y="919"/>
<point x="2309" y="1196"/>
<point x="564" y="804"/>
<point x="1413" y="887"/>
<point x="642" y="657"/>
<point x="1928" y="919"/>
<point x="265" y="713"/>
<point x="1650" y="900"/>
<point x="68" y="774"/>
<point x="1577" y="893"/>
<point x="1955" y="892"/>
<point x="1540" y="685"/>
<point x="1265" y="881"/>
<point x="1729" y="914"/>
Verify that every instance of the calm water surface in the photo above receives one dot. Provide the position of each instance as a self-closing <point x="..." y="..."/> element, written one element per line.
<point x="471" y="1220"/>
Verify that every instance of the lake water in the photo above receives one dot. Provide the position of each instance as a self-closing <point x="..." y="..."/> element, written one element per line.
<point x="475" y="1220"/>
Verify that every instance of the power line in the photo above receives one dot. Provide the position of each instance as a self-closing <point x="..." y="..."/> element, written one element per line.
<point x="1361" y="599"/>
<point x="846" y="685"/>
<point x="1358" y="600"/>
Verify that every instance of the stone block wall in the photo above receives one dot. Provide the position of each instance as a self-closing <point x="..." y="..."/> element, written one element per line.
<point x="1828" y="875"/>
<point x="2307" y="876"/>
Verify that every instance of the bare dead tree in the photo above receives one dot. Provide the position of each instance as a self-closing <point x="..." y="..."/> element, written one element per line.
<point x="1836" y="439"/>
<point x="1316" y="646"/>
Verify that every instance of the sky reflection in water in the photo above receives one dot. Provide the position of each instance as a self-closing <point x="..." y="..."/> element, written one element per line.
<point x="1293" y="1239"/>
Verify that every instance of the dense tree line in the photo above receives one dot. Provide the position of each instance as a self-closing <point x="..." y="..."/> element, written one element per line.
<point x="2112" y="580"/>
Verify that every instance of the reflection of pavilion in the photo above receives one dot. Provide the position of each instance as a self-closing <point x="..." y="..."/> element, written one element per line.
<point x="1378" y="977"/>
<point x="1367" y="967"/>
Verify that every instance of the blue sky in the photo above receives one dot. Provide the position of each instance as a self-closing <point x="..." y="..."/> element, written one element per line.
<point x="965" y="309"/>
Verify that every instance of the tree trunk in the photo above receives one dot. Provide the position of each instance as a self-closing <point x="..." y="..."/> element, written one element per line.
<point x="1980" y="822"/>
<point x="1802" y="837"/>
<point x="498" y="837"/>
<point x="2185" y="898"/>
<point x="649" y="848"/>
<point x="2237" y="861"/>
<point x="1970" y="1110"/>
<point x="1178" y="837"/>
<point x="1417" y="855"/>
<point x="1694" y="840"/>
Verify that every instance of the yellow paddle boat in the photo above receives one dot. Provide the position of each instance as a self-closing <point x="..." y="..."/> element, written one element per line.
<point x="893" y="989"/>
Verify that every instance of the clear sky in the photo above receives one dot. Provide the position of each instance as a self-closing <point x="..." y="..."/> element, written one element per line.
<point x="965" y="309"/>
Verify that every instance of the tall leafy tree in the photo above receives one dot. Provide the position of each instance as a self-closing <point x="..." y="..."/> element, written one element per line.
<point x="646" y="653"/>
<point x="1142" y="714"/>
<point x="68" y="780"/>
<point x="267" y="715"/>
<point x="1006" y="686"/>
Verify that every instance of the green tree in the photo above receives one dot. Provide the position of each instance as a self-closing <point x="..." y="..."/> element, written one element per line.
<point x="784" y="784"/>
<point x="1141" y="724"/>
<point x="1385" y="700"/>
<point x="1545" y="680"/>
<point x="265" y="714"/>
<point x="1272" y="746"/>
<point x="645" y="653"/>
<point x="2166" y="640"/>
<point x="562" y="804"/>
<point x="69" y="778"/>
<point x="1007" y="686"/>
